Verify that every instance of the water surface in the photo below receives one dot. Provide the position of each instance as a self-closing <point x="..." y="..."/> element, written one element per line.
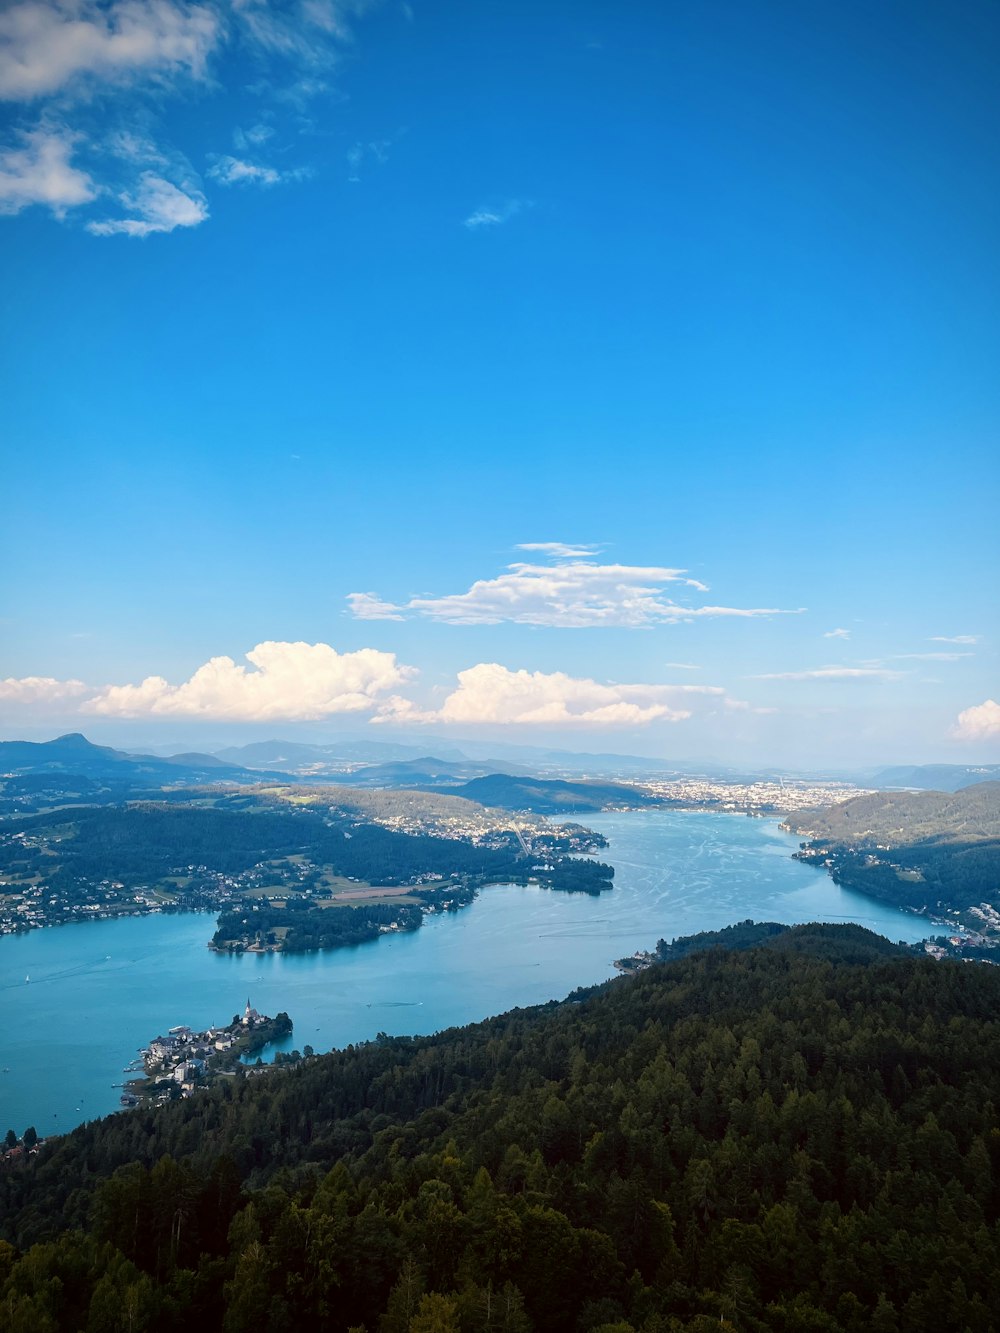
<point x="99" y="990"/>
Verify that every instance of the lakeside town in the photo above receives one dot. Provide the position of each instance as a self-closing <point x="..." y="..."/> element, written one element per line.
<point x="177" y="1064"/>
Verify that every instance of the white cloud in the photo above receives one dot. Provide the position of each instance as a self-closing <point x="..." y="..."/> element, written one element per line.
<point x="367" y="606"/>
<point x="560" y="550"/>
<point x="683" y="666"/>
<point x="41" y="690"/>
<point x="287" y="682"/>
<point x="46" y="45"/>
<point x="955" y="638"/>
<point x="254" y="137"/>
<point x="572" y="593"/>
<point x="228" y="170"/>
<point x="234" y="171"/>
<point x="833" y="673"/>
<point x="161" y="207"/>
<point x="40" y="172"/>
<point x="979" y="723"/>
<point x="97" y="76"/>
<point x="494" y="217"/>
<point x="837" y="634"/>
<point x="491" y="694"/>
<point x="744" y="706"/>
<point x="930" y="657"/>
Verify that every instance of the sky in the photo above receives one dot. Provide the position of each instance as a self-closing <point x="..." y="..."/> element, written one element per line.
<point x="610" y="377"/>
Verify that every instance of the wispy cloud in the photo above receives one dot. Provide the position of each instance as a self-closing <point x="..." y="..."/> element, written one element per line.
<point x="837" y="634"/>
<point x="833" y="673"/>
<point x="955" y="638"/>
<point x="82" y="74"/>
<point x="228" y="170"/>
<point x="368" y="606"/>
<point x="560" y="550"/>
<point x="376" y="150"/>
<point x="979" y="723"/>
<point x="491" y="694"/>
<point x="156" y="205"/>
<point x="496" y="216"/>
<point x="930" y="657"/>
<point x="569" y="593"/>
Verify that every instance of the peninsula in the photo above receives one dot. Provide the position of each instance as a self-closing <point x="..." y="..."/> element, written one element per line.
<point x="175" y="1066"/>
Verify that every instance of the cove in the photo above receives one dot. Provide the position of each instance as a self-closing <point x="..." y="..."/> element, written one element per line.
<point x="98" y="991"/>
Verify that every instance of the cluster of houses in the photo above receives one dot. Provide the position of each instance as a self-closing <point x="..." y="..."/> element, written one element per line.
<point x="183" y="1054"/>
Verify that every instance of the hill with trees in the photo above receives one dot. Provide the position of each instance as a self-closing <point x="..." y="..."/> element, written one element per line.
<point x="930" y="851"/>
<point x="937" y="777"/>
<point x="797" y="1135"/>
<point x="553" y="796"/>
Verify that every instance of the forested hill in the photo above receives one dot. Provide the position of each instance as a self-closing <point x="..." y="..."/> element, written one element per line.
<point x="552" y="795"/>
<point x="930" y="851"/>
<point x="902" y="818"/>
<point x="799" y="1136"/>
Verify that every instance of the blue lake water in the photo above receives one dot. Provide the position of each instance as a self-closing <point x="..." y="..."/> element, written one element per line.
<point x="100" y="990"/>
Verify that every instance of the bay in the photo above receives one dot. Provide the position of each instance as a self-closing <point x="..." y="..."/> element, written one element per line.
<point x="100" y="990"/>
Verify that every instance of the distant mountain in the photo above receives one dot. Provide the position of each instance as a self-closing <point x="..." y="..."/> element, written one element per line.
<point x="315" y="760"/>
<point x="424" y="773"/>
<point x="74" y="756"/>
<point x="550" y="796"/>
<point x="936" y="777"/>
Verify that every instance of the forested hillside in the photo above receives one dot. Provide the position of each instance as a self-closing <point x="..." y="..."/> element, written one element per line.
<point x="798" y="1136"/>
<point x="930" y="851"/>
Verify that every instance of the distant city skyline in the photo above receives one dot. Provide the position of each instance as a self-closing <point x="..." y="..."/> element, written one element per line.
<point x="599" y="378"/>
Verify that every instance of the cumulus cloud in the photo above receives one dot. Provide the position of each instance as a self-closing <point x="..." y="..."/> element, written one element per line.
<point x="491" y="694"/>
<point x="833" y="673"/>
<point x="37" y="170"/>
<point x="570" y="593"/>
<point x="285" y="682"/>
<point x="157" y="206"/>
<point x="41" y="690"/>
<point x="837" y="634"/>
<point x="979" y="723"/>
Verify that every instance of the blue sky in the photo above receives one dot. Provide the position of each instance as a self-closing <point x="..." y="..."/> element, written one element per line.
<point x="697" y="303"/>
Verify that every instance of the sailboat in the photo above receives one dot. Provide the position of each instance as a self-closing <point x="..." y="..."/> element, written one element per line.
<point x="26" y="980"/>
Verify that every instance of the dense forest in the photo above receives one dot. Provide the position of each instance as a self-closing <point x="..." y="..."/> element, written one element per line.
<point x="799" y="1133"/>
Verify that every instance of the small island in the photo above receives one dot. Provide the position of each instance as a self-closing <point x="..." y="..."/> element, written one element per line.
<point x="178" y="1064"/>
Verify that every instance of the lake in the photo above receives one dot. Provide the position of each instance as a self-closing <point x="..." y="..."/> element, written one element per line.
<point x="100" y="990"/>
